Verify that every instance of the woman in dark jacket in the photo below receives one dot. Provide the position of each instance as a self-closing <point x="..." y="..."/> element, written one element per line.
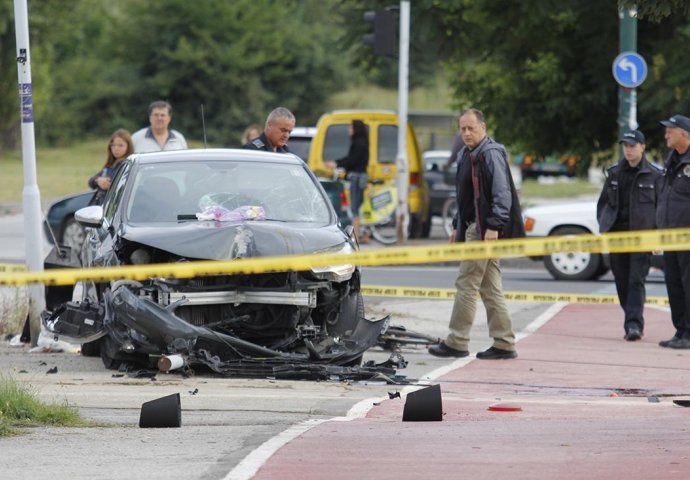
<point x="120" y="147"/>
<point x="355" y="165"/>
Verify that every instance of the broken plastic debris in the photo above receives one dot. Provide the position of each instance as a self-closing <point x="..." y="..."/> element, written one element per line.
<point x="222" y="214"/>
<point x="52" y="370"/>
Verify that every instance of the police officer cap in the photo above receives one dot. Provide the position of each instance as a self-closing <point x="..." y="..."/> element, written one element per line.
<point x="677" y="121"/>
<point x="632" y="137"/>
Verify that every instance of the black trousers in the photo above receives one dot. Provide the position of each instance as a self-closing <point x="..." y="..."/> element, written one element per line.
<point x="677" y="272"/>
<point x="629" y="271"/>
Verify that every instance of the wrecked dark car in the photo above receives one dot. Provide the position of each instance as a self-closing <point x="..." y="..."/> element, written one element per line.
<point x="210" y="204"/>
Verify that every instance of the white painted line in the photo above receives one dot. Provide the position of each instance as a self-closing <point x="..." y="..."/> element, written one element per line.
<point x="251" y="464"/>
<point x="540" y="321"/>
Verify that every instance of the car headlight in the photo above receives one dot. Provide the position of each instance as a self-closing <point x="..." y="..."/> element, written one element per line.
<point x="335" y="273"/>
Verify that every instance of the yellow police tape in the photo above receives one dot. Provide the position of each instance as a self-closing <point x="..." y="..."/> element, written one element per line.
<point x="639" y="241"/>
<point x="12" y="267"/>
<point x="449" y="294"/>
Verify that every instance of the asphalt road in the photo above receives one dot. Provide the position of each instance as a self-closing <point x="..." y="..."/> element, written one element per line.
<point x="225" y="419"/>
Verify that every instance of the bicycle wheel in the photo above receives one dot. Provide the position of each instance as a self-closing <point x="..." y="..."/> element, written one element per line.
<point x="397" y="335"/>
<point x="450" y="209"/>
<point x="385" y="232"/>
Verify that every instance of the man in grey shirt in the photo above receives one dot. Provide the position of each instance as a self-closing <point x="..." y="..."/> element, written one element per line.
<point x="158" y="136"/>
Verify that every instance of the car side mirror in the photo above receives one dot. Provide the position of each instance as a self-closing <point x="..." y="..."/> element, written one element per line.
<point x="90" y="216"/>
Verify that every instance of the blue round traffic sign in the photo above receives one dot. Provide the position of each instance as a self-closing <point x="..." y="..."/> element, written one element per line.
<point x="629" y="69"/>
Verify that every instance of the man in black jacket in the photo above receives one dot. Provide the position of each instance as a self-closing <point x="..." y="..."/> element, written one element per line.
<point x="488" y="209"/>
<point x="279" y="125"/>
<point x="673" y="211"/>
<point x="628" y="202"/>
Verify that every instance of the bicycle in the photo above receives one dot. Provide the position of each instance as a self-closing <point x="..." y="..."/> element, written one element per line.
<point x="450" y="210"/>
<point x="377" y="213"/>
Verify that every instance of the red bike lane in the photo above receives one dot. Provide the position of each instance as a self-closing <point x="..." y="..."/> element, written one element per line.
<point x="592" y="406"/>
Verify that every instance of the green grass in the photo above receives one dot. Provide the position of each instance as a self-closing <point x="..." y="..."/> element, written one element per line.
<point x="436" y="99"/>
<point x="20" y="408"/>
<point x="570" y="189"/>
<point x="60" y="171"/>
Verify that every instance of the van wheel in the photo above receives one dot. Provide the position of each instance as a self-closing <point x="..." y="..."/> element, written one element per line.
<point x="426" y="228"/>
<point x="416" y="228"/>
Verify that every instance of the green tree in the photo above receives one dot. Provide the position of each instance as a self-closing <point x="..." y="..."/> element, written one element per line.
<point x="541" y="70"/>
<point x="239" y="59"/>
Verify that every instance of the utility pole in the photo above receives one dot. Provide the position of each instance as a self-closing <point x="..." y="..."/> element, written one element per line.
<point x="31" y="197"/>
<point x="403" y="178"/>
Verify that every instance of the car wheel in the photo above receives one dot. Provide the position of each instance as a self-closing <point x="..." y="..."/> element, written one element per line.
<point x="573" y="265"/>
<point x="426" y="228"/>
<point x="72" y="234"/>
<point x="352" y="311"/>
<point x="91" y="349"/>
<point x="416" y="227"/>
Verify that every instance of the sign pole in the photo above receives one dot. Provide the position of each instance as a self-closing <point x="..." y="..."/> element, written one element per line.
<point x="31" y="197"/>
<point x="627" y="108"/>
<point x="403" y="178"/>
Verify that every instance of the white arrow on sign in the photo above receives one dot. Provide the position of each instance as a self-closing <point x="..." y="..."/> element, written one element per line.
<point x="625" y="65"/>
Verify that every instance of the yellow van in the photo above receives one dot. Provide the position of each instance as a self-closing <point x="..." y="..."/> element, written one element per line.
<point x="332" y="142"/>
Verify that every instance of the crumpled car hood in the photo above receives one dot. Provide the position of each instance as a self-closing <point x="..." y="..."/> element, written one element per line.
<point x="210" y="240"/>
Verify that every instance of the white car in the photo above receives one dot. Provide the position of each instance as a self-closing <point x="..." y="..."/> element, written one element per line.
<point x="571" y="219"/>
<point x="567" y="219"/>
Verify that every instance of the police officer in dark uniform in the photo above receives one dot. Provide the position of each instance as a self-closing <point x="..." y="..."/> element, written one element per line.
<point x="673" y="211"/>
<point x="628" y="202"/>
<point x="274" y="138"/>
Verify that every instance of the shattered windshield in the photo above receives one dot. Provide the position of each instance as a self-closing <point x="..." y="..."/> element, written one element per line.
<point x="231" y="191"/>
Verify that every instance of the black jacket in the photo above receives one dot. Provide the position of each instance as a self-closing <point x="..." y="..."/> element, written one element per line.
<point x="642" y="201"/>
<point x="262" y="143"/>
<point x="357" y="158"/>
<point x="673" y="204"/>
<point x="497" y="206"/>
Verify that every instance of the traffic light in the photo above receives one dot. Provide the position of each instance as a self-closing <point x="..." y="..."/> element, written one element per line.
<point x="383" y="39"/>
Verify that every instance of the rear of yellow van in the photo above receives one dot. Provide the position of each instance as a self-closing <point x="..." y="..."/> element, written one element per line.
<point x="332" y="141"/>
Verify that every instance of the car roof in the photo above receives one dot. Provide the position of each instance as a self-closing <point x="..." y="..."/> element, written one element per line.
<point x="437" y="153"/>
<point x="216" y="154"/>
<point x="303" y="132"/>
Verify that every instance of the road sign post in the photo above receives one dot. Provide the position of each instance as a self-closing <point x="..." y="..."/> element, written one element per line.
<point x="629" y="71"/>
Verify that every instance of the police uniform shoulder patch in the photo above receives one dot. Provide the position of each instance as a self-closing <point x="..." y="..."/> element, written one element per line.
<point x="258" y="143"/>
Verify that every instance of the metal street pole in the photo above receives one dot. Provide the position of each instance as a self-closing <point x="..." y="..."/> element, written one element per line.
<point x="403" y="178"/>
<point x="31" y="197"/>
<point x="627" y="97"/>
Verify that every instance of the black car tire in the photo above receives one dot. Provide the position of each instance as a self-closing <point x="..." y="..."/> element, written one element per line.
<point x="573" y="265"/>
<point x="415" y="227"/>
<point x="359" y="312"/>
<point x="91" y="349"/>
<point x="426" y="228"/>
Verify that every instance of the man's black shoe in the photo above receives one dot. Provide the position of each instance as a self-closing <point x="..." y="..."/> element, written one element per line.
<point x="494" y="353"/>
<point x="633" y="335"/>
<point x="679" y="343"/>
<point x="667" y="343"/>
<point x="443" y="350"/>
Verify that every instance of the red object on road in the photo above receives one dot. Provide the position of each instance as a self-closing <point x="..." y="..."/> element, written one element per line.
<point x="505" y="407"/>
